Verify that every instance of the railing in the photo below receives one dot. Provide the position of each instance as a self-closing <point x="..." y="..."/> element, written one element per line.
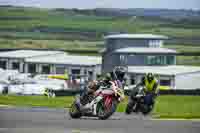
<point x="193" y="92"/>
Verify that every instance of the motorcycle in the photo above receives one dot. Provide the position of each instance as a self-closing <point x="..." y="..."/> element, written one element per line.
<point x="140" y="103"/>
<point x="102" y="105"/>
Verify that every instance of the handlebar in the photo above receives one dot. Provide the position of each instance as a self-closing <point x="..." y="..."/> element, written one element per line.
<point x="139" y="95"/>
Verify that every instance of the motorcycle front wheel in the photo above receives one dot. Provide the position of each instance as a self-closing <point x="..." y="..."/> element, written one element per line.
<point x="104" y="113"/>
<point x="146" y="109"/>
<point x="129" y="107"/>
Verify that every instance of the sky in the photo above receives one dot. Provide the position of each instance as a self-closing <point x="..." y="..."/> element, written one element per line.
<point x="83" y="4"/>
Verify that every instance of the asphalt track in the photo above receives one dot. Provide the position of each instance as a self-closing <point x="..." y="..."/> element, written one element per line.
<point x="40" y="120"/>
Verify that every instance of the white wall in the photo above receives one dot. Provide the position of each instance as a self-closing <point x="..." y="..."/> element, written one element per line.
<point x="138" y="78"/>
<point x="188" y="81"/>
<point x="98" y="69"/>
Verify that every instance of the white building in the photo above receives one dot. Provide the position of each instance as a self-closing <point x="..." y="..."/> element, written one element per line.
<point x="173" y="76"/>
<point x="143" y="53"/>
<point x="50" y="62"/>
<point x="16" y="59"/>
<point x="57" y="64"/>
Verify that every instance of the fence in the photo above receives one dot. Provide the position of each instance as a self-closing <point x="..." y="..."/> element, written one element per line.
<point x="194" y="92"/>
<point x="180" y="92"/>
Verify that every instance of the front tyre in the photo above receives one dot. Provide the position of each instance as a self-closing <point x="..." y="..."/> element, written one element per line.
<point x="104" y="113"/>
<point x="74" y="111"/>
<point x="129" y="107"/>
<point x="146" y="109"/>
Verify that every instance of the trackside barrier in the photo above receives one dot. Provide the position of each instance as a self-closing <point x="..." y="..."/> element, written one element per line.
<point x="180" y="92"/>
<point x="194" y="92"/>
<point x="66" y="92"/>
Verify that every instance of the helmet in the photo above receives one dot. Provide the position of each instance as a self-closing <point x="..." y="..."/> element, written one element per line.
<point x="98" y="77"/>
<point x="150" y="76"/>
<point x="120" y="73"/>
<point x="108" y="76"/>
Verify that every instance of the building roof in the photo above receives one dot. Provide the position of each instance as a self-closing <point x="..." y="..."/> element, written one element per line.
<point x="136" y="36"/>
<point x="163" y="70"/>
<point x="102" y="50"/>
<point x="27" y="53"/>
<point x="66" y="59"/>
<point x="144" y="50"/>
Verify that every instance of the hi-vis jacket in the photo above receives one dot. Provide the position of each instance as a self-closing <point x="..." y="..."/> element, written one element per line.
<point x="151" y="86"/>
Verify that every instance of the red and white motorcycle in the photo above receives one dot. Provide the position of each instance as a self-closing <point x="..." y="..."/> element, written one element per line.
<point x="102" y="105"/>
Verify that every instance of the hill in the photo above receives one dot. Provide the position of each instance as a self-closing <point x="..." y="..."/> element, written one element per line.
<point x="76" y="24"/>
<point x="81" y="31"/>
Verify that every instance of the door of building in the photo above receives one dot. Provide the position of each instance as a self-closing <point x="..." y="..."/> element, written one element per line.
<point x="32" y="68"/>
<point x="46" y="69"/>
<point x="3" y="64"/>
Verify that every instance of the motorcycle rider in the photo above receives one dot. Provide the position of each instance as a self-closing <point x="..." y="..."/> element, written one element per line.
<point x="150" y="86"/>
<point x="114" y="78"/>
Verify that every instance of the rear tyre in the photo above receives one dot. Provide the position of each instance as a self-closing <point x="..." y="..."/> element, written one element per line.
<point x="74" y="111"/>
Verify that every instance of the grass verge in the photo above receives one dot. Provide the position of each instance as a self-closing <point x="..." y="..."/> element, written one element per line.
<point x="36" y="101"/>
<point x="183" y="107"/>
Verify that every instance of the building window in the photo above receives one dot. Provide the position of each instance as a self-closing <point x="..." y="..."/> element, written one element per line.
<point x="15" y="65"/>
<point x="46" y="69"/>
<point x="160" y="60"/>
<point x="3" y="64"/>
<point x="155" y="60"/>
<point x="155" y="43"/>
<point x="170" y="60"/>
<point x="75" y="71"/>
<point x="90" y="75"/>
<point x="85" y="71"/>
<point x="31" y="68"/>
<point x="165" y="82"/>
<point x="60" y="70"/>
<point x="123" y="59"/>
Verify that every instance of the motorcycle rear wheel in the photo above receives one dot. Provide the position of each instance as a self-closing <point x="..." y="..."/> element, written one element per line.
<point x="74" y="111"/>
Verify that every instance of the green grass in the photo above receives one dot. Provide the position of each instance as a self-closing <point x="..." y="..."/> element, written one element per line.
<point x="80" y="22"/>
<point x="186" y="60"/>
<point x="166" y="106"/>
<point x="38" y="101"/>
<point x="51" y="44"/>
<point x="177" y="107"/>
<point x="23" y="12"/>
<point x="184" y="48"/>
